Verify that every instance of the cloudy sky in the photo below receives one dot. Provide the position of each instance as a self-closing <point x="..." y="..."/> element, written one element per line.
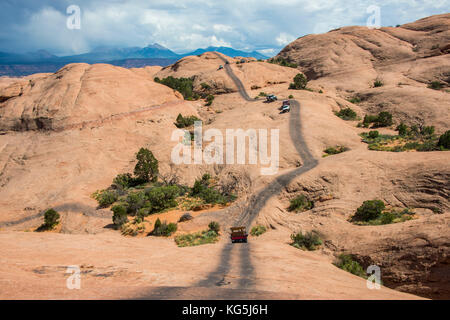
<point x="182" y="25"/>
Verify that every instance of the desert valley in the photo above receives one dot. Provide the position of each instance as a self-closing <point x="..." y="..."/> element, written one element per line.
<point x="363" y="177"/>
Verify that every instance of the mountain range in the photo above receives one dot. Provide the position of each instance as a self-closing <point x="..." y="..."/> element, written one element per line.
<point x="14" y="64"/>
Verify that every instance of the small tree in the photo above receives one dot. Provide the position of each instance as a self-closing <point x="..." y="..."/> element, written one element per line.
<point x="384" y="119"/>
<point x="402" y="129"/>
<point x="299" y="83"/>
<point x="119" y="215"/>
<point x="373" y="134"/>
<point x="214" y="226"/>
<point x="369" y="210"/>
<point x="146" y="168"/>
<point x="444" y="140"/>
<point x="51" y="219"/>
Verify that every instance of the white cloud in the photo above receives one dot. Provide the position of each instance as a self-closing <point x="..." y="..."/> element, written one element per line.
<point x="284" y="38"/>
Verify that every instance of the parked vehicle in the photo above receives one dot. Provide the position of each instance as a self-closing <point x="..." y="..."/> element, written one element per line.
<point x="220" y="67"/>
<point x="238" y="234"/>
<point x="286" y="103"/>
<point x="271" y="98"/>
<point x="285" y="109"/>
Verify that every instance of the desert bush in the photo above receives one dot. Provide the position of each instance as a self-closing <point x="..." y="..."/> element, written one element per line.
<point x="427" y="130"/>
<point x="146" y="168"/>
<point x="436" y="85"/>
<point x="202" y="189"/>
<point x="299" y="83"/>
<point x="347" y="263"/>
<point x="354" y="100"/>
<point x="105" y="198"/>
<point x="183" y="122"/>
<point x="444" y="140"/>
<point x="163" y="228"/>
<point x="262" y="94"/>
<point x="402" y="129"/>
<point x="205" y="86"/>
<point x="384" y="119"/>
<point x="136" y="201"/>
<point x="214" y="226"/>
<point x="378" y="83"/>
<point x="369" y="210"/>
<point x="124" y="181"/>
<point x="291" y="96"/>
<point x="308" y="241"/>
<point x="258" y="230"/>
<point x="119" y="215"/>
<point x="51" y="220"/>
<point x="335" y="150"/>
<point x="183" y="85"/>
<point x="209" y="100"/>
<point x="282" y="62"/>
<point x="373" y="134"/>
<point x="162" y="198"/>
<point x="368" y="119"/>
<point x="196" y="239"/>
<point x="300" y="204"/>
<point x="346" y="114"/>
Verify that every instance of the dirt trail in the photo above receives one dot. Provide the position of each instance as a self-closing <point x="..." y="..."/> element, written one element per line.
<point x="255" y="204"/>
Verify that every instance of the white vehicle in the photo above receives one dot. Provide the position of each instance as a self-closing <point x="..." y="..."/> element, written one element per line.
<point x="285" y="108"/>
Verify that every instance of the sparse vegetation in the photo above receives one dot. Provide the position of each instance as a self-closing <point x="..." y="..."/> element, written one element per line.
<point x="309" y="241"/>
<point x="346" y="114"/>
<point x="209" y="100"/>
<point x="197" y="238"/>
<point x="444" y="140"/>
<point x="346" y="262"/>
<point x="299" y="83"/>
<point x="183" y="85"/>
<point x="435" y="85"/>
<point x="408" y="138"/>
<point x="51" y="220"/>
<point x="119" y="215"/>
<point x="354" y="100"/>
<point x="163" y="229"/>
<point x="282" y="62"/>
<point x="291" y="96"/>
<point x="214" y="226"/>
<point x="334" y="150"/>
<point x="205" y="190"/>
<point x="105" y="198"/>
<point x="378" y="83"/>
<point x="372" y="212"/>
<point x="300" y="204"/>
<point x="258" y="230"/>
<point x="184" y="122"/>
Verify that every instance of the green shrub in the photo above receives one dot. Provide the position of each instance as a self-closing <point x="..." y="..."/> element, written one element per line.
<point x="299" y="83"/>
<point x="119" y="215"/>
<point x="51" y="220"/>
<point x="402" y="129"/>
<point x="162" y="198"/>
<point x="163" y="228"/>
<point x="209" y="100"/>
<point x="205" y="86"/>
<point x="262" y="94"/>
<point x="124" y="181"/>
<point x="347" y="114"/>
<point x="258" y="230"/>
<point x="282" y="62"/>
<point x="369" y="210"/>
<point x="378" y="83"/>
<point x="183" y="122"/>
<point x="374" y="134"/>
<point x="202" y="189"/>
<point x="354" y="100"/>
<point x="368" y="119"/>
<point x="335" y="150"/>
<point x="146" y="168"/>
<point x="196" y="239"/>
<point x="291" y="96"/>
<point x="183" y="85"/>
<point x="444" y="140"/>
<point x="214" y="226"/>
<point x="136" y="201"/>
<point x="300" y="204"/>
<point x="347" y="263"/>
<point x="105" y="198"/>
<point x="384" y="119"/>
<point x="308" y="241"/>
<point x="427" y="131"/>
<point x="436" y="85"/>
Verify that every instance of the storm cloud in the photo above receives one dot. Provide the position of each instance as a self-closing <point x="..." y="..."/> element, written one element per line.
<point x="183" y="25"/>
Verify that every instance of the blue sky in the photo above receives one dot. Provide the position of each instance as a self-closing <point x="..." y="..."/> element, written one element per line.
<point x="182" y="25"/>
